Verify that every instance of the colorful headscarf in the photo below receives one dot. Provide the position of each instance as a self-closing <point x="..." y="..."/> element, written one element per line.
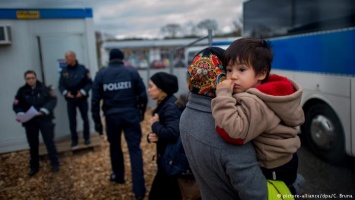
<point x="206" y="71"/>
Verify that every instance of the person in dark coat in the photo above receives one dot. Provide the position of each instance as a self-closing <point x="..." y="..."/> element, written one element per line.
<point x="75" y="83"/>
<point x="165" y="130"/>
<point x="124" y="100"/>
<point x="35" y="94"/>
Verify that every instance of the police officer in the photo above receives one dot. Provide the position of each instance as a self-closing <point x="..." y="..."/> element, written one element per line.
<point x="42" y="98"/>
<point x="75" y="83"/>
<point x="122" y="90"/>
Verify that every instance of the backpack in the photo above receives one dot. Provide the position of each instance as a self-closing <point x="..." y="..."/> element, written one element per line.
<point x="174" y="160"/>
<point x="278" y="190"/>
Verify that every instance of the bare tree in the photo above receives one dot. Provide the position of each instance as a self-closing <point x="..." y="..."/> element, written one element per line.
<point x="237" y="27"/>
<point x="208" y="24"/>
<point x="190" y="29"/>
<point x="171" y="30"/>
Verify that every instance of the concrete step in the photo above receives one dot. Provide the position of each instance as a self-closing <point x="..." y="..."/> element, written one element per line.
<point x="64" y="144"/>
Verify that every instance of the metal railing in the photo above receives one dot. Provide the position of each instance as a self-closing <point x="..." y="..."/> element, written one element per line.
<point x="173" y="50"/>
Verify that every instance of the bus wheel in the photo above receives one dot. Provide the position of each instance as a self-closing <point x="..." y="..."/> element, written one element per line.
<point x="324" y="133"/>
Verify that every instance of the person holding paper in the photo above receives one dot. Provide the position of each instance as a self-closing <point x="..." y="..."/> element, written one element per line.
<point x="37" y="101"/>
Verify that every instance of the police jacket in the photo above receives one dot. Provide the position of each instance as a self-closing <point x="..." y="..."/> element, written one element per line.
<point x="74" y="79"/>
<point x="121" y="89"/>
<point x="41" y="97"/>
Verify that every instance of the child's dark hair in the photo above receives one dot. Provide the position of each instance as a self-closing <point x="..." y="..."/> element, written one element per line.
<point x="256" y="53"/>
<point x="30" y="72"/>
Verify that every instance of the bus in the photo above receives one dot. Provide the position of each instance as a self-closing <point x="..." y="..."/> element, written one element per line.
<point x="314" y="44"/>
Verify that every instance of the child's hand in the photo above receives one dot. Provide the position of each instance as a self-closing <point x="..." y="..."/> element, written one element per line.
<point x="225" y="84"/>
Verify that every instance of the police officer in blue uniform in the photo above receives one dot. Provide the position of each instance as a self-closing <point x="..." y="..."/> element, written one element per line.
<point x="75" y="83"/>
<point x="42" y="98"/>
<point x="124" y="102"/>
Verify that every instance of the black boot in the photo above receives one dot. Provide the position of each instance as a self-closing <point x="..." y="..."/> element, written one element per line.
<point x="114" y="178"/>
<point x="55" y="168"/>
<point x="33" y="171"/>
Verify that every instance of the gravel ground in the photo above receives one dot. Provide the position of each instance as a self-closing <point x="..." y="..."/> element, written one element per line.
<point x="83" y="174"/>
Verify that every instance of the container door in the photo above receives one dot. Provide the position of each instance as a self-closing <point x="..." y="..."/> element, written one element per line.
<point x="52" y="50"/>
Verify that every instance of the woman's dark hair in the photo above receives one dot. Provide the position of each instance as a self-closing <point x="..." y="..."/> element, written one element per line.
<point x="253" y="52"/>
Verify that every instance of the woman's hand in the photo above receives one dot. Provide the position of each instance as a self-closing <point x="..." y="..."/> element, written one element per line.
<point x="154" y="119"/>
<point x="152" y="137"/>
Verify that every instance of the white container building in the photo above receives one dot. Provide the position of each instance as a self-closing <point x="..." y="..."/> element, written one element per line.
<point x="37" y="39"/>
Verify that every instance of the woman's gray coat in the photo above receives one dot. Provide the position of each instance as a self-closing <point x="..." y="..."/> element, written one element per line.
<point x="223" y="171"/>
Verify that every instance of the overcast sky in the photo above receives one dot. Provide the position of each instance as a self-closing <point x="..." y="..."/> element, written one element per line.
<point x="144" y="18"/>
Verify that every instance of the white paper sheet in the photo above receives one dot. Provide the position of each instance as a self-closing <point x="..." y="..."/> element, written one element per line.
<point x="32" y="112"/>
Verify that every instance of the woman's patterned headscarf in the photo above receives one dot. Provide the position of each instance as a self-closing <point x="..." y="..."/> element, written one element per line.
<point x="206" y="71"/>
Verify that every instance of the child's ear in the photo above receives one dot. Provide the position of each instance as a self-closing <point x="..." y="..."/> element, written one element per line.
<point x="262" y="75"/>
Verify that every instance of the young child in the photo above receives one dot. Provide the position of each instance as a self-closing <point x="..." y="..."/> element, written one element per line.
<point x="254" y="105"/>
<point x="222" y="170"/>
